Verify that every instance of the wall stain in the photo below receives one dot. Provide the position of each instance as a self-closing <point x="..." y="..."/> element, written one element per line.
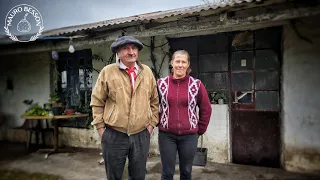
<point x="295" y="158"/>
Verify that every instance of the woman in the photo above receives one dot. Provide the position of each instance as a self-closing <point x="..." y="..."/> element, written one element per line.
<point x="179" y="126"/>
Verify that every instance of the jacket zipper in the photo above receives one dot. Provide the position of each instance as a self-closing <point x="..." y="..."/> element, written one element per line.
<point x="128" y="127"/>
<point x="178" y="108"/>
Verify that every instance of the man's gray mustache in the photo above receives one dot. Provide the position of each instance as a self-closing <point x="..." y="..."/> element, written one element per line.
<point x="131" y="56"/>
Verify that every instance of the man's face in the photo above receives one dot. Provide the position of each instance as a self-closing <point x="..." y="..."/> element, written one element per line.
<point x="128" y="53"/>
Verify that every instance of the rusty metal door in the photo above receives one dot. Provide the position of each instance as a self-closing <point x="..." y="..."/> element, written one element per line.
<point x="255" y="109"/>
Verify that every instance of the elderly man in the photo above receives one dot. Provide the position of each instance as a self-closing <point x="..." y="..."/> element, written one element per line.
<point x="125" y="110"/>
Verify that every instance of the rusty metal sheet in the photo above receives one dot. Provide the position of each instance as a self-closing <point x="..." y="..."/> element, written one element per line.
<point x="256" y="138"/>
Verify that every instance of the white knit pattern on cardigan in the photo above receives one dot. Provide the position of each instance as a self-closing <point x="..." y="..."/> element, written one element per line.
<point x="193" y="89"/>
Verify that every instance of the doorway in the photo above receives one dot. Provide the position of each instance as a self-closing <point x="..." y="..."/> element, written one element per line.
<point x="246" y="66"/>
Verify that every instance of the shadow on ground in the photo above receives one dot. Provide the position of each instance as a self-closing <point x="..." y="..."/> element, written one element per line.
<point x="84" y="165"/>
<point x="22" y="175"/>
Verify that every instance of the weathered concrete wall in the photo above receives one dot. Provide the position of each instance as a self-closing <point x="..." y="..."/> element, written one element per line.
<point x="301" y="98"/>
<point x="74" y="137"/>
<point x="216" y="138"/>
<point x="30" y="74"/>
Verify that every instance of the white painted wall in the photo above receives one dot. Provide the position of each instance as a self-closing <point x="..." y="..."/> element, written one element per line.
<point x="216" y="138"/>
<point x="301" y="98"/>
<point x="31" y="80"/>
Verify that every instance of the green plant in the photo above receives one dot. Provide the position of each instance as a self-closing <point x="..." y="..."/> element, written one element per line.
<point x="55" y="76"/>
<point x="86" y="109"/>
<point x="36" y="110"/>
<point x="54" y="97"/>
<point x="220" y="95"/>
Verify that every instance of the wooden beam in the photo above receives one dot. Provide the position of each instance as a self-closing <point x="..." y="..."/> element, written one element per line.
<point x="225" y="23"/>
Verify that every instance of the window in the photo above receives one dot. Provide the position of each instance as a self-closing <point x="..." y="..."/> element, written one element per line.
<point x="255" y="69"/>
<point x="75" y="83"/>
<point x="208" y="61"/>
<point x="245" y="63"/>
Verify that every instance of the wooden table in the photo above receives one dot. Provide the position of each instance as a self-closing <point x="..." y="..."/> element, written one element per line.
<point x="56" y="132"/>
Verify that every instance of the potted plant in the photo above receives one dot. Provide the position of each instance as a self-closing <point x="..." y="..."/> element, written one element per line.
<point x="57" y="106"/>
<point x="220" y="97"/>
<point x="54" y="99"/>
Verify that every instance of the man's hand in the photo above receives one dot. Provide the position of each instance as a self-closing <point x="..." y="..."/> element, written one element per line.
<point x="100" y="131"/>
<point x="150" y="129"/>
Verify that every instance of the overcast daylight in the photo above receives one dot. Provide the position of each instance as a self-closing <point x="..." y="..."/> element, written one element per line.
<point x="61" y="13"/>
<point x="159" y="89"/>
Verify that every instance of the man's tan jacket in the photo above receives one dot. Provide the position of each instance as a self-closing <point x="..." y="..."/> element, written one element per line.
<point x="113" y="103"/>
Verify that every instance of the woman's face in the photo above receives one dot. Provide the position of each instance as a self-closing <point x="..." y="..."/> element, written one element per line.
<point x="180" y="65"/>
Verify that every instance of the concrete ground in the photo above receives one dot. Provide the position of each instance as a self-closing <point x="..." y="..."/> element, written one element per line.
<point x="84" y="166"/>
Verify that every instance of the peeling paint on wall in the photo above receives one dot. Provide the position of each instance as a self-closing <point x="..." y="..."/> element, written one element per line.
<point x="301" y="98"/>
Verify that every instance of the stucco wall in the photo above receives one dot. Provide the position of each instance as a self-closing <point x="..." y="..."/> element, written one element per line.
<point x="30" y="74"/>
<point x="301" y="98"/>
<point x="216" y="138"/>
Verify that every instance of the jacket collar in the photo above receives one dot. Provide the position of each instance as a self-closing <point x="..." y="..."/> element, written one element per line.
<point x="172" y="79"/>
<point x="122" y="66"/>
<point x="138" y="63"/>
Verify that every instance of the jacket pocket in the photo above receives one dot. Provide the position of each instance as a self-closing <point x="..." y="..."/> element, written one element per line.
<point x="111" y="112"/>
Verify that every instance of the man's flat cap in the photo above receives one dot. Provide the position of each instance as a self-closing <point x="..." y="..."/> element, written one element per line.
<point x="123" y="41"/>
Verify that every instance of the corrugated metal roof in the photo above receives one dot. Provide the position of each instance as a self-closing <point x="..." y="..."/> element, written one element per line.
<point x="147" y="16"/>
